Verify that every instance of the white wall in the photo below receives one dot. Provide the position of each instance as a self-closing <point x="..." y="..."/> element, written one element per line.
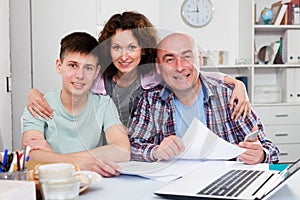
<point x="20" y="45"/>
<point x="48" y="27"/>
<point x="222" y="33"/>
<point x="5" y="100"/>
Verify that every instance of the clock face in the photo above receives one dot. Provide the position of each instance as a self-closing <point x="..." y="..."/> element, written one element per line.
<point x="197" y="13"/>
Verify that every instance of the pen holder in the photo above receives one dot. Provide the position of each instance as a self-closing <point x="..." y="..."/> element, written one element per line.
<point x="17" y="175"/>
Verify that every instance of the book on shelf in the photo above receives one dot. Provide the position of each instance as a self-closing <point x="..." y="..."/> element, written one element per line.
<point x="296" y="15"/>
<point x="285" y="1"/>
<point x="280" y="14"/>
<point x="289" y="18"/>
<point x="288" y="14"/>
<point x="284" y="20"/>
<point x="275" y="46"/>
<point x="275" y="9"/>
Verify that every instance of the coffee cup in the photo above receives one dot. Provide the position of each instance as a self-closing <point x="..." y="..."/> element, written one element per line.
<point x="65" y="189"/>
<point x="63" y="172"/>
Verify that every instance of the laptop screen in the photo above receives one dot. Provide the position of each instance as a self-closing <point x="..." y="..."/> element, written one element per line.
<point x="285" y="174"/>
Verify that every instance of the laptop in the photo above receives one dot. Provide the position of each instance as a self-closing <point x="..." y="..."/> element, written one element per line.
<point x="247" y="184"/>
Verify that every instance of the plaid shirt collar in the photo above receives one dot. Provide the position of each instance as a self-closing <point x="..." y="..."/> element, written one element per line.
<point x="166" y="93"/>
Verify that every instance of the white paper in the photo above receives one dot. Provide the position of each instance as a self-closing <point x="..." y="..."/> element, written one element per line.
<point x="160" y="171"/>
<point x="165" y="171"/>
<point x="202" y="146"/>
<point x="202" y="143"/>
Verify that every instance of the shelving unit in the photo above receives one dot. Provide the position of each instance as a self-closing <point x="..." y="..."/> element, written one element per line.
<point x="279" y="113"/>
<point x="270" y="86"/>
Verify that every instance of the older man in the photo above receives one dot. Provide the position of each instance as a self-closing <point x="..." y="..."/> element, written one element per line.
<point x="165" y="112"/>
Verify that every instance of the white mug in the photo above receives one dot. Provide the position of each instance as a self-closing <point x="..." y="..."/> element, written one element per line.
<point x="54" y="190"/>
<point x="56" y="171"/>
<point x="62" y="172"/>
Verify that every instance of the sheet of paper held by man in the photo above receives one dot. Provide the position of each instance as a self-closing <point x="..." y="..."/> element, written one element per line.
<point x="201" y="145"/>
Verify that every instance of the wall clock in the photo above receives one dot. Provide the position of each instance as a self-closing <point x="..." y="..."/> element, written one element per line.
<point x="197" y="13"/>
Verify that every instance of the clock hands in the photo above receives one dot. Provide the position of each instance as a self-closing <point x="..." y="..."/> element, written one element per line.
<point x="194" y="11"/>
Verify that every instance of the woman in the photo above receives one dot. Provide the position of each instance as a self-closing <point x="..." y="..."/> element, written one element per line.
<point x="127" y="57"/>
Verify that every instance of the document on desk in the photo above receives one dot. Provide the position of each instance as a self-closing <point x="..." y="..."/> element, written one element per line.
<point x="160" y="171"/>
<point x="166" y="171"/>
<point x="202" y="143"/>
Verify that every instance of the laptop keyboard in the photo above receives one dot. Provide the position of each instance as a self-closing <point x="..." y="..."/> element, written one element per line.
<point x="232" y="183"/>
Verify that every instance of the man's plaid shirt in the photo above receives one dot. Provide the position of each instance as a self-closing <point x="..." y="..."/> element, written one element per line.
<point x="154" y="120"/>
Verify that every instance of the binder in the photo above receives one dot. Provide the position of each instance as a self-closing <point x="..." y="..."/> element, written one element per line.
<point x="290" y="47"/>
<point x="297" y="84"/>
<point x="289" y="87"/>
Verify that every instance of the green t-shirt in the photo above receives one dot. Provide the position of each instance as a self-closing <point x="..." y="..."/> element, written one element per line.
<point x="66" y="133"/>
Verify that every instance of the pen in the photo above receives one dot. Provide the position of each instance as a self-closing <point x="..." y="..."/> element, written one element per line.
<point x="25" y="156"/>
<point x="13" y="163"/>
<point x="9" y="160"/>
<point x="4" y="161"/>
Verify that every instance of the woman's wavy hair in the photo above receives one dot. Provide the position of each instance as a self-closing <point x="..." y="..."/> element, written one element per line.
<point x="144" y="32"/>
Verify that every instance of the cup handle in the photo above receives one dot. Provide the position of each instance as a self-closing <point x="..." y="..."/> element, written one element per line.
<point x="36" y="171"/>
<point x="85" y="180"/>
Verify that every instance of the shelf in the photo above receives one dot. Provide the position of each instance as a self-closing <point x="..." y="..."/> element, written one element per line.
<point x="250" y="66"/>
<point x="272" y="28"/>
<point x="275" y="88"/>
<point x="226" y="66"/>
<point x="277" y="66"/>
<point x="274" y="104"/>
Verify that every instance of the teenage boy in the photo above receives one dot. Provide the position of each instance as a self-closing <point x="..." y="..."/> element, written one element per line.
<point x="83" y="122"/>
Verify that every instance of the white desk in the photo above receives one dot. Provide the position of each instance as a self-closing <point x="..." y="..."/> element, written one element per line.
<point x="133" y="187"/>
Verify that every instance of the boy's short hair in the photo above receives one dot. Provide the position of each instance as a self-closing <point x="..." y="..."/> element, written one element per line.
<point x="78" y="42"/>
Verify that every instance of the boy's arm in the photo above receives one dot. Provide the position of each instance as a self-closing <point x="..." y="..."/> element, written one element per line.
<point x="118" y="146"/>
<point x="85" y="160"/>
<point x="35" y="139"/>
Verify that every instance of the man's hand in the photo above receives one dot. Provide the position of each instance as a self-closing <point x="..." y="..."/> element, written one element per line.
<point x="254" y="152"/>
<point x="171" y="146"/>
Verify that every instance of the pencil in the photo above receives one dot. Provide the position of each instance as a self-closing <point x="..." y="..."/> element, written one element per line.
<point x="18" y="160"/>
<point x="24" y="157"/>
